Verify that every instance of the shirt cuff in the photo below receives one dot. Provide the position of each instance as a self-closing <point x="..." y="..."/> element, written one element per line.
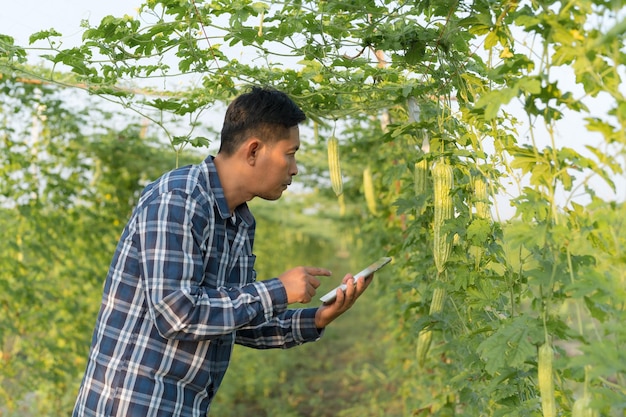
<point x="273" y="297"/>
<point x="304" y="329"/>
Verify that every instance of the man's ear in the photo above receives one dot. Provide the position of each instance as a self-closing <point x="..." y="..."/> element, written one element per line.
<point x="252" y="148"/>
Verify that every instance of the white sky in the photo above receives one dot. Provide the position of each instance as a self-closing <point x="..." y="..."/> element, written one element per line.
<point x="21" y="18"/>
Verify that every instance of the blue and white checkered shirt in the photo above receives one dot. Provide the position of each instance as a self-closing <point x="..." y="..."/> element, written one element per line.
<point x="181" y="290"/>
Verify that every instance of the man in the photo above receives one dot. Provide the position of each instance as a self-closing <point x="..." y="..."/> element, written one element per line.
<point x="182" y="289"/>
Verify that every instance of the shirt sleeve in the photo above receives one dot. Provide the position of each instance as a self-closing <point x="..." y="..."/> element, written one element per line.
<point x="172" y="271"/>
<point x="291" y="328"/>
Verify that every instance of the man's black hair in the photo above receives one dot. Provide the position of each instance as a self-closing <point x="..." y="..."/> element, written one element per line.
<point x="264" y="112"/>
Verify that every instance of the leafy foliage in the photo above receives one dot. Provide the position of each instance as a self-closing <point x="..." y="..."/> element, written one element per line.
<point x="396" y="83"/>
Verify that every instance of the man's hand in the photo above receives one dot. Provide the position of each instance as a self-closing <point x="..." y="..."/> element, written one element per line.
<point x="326" y="313"/>
<point x="301" y="283"/>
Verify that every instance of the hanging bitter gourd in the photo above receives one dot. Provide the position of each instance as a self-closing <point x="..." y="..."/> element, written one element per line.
<point x="425" y="336"/>
<point x="443" y="177"/>
<point x="481" y="198"/>
<point x="545" y="356"/>
<point x="334" y="167"/>
<point x="420" y="177"/>
<point x="368" y="190"/>
<point x="582" y="406"/>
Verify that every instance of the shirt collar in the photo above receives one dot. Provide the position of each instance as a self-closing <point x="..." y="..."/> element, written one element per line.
<point x="242" y="212"/>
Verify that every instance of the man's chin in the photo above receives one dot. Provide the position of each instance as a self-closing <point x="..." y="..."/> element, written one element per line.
<point x="271" y="197"/>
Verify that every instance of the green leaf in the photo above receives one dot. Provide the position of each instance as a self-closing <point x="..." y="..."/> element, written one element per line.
<point x="478" y="231"/>
<point x="177" y="140"/>
<point x="171" y="105"/>
<point x="44" y="34"/>
<point x="491" y="40"/>
<point x="493" y="100"/>
<point x="76" y="59"/>
<point x="200" y="142"/>
<point x="598" y="310"/>
<point x="8" y="50"/>
<point x="530" y="85"/>
<point x="509" y="346"/>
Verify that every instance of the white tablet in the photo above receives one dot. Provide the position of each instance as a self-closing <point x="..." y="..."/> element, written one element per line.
<point x="331" y="295"/>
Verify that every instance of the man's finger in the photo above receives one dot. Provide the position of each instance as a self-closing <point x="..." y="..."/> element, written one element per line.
<point x="317" y="272"/>
<point x="347" y="278"/>
<point x="310" y="290"/>
<point x="315" y="282"/>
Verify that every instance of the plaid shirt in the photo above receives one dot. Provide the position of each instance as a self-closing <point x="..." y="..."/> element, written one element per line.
<point x="181" y="290"/>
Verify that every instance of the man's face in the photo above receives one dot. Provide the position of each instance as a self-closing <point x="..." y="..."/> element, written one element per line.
<point x="277" y="165"/>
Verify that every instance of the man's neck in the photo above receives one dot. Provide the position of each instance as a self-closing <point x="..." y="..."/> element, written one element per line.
<point x="233" y="179"/>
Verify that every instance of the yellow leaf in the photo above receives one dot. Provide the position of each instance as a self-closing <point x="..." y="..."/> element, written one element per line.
<point x="506" y="53"/>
